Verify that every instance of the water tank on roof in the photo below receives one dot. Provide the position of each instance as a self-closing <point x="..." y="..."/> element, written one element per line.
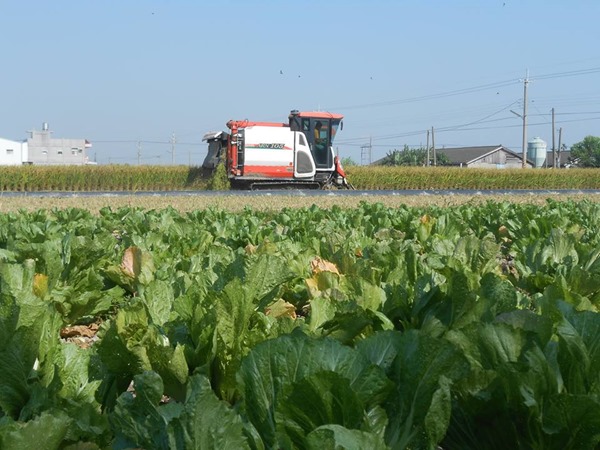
<point x="536" y="151"/>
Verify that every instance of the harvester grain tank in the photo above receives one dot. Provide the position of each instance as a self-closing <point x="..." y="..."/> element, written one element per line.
<point x="267" y="155"/>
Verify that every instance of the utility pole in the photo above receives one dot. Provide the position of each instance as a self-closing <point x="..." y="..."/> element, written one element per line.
<point x="139" y="151"/>
<point x="366" y="152"/>
<point x="433" y="146"/>
<point x="173" y="140"/>
<point x="428" y="156"/>
<point x="525" y="83"/>
<point x="553" y="142"/>
<point x="559" y="146"/>
<point x="524" y="117"/>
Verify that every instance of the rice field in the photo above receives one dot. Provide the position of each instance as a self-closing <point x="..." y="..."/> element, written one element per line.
<point x="177" y="178"/>
<point x="140" y="179"/>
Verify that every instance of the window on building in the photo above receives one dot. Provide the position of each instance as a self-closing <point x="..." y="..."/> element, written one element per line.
<point x="9" y="151"/>
<point x="60" y="152"/>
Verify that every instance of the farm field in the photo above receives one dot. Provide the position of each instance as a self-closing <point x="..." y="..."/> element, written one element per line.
<point x="178" y="178"/>
<point x="233" y="202"/>
<point x="458" y="323"/>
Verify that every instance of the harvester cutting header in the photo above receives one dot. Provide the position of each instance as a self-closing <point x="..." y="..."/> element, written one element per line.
<point x="267" y="155"/>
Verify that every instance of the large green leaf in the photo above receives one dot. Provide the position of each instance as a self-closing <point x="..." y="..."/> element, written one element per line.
<point x="296" y="366"/>
<point x="571" y="422"/>
<point x="381" y="348"/>
<point x="130" y="345"/>
<point x="138" y="421"/>
<point x="419" y="407"/>
<point x="30" y="331"/>
<point x="336" y="437"/>
<point x="500" y="403"/>
<point x="318" y="399"/>
<point x="201" y="421"/>
<point x="47" y="431"/>
<point x="579" y="352"/>
<point x="16" y="362"/>
<point x="158" y="296"/>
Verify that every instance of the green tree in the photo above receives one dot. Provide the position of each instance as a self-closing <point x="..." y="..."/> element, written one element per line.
<point x="413" y="157"/>
<point x="348" y="161"/>
<point x="586" y="153"/>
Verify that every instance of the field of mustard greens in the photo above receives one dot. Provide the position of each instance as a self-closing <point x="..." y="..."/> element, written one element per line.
<point x="471" y="326"/>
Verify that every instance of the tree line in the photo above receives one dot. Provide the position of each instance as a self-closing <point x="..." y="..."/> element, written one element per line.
<point x="583" y="154"/>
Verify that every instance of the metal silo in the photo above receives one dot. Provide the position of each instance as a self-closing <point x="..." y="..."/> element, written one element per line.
<point x="536" y="151"/>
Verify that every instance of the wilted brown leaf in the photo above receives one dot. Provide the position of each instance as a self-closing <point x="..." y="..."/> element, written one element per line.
<point x="312" y="285"/>
<point x="132" y="262"/>
<point x="281" y="308"/>
<point x="318" y="265"/>
<point x="83" y="336"/>
<point x="79" y="330"/>
<point x="40" y="285"/>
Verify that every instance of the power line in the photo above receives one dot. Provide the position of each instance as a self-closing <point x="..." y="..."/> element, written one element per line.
<point x="429" y="97"/>
<point x="450" y="129"/>
<point x="143" y="142"/>
<point x="468" y="90"/>
<point x="568" y="74"/>
<point x="414" y="133"/>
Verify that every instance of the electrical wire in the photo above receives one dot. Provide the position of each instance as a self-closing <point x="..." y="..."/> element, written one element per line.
<point x="469" y="90"/>
<point x="428" y="97"/>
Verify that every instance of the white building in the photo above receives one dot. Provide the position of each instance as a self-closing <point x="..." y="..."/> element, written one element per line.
<point x="13" y="153"/>
<point x="43" y="149"/>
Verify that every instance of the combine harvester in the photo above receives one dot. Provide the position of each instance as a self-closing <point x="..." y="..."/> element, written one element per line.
<point x="269" y="155"/>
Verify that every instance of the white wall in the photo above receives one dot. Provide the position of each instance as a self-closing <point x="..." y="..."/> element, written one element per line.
<point x="12" y="153"/>
<point x="43" y="149"/>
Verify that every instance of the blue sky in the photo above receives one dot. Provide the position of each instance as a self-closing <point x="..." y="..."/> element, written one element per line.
<point x="119" y="72"/>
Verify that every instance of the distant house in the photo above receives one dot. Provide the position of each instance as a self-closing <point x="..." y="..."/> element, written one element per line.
<point x="491" y="156"/>
<point x="12" y="153"/>
<point x="562" y="159"/>
<point x="43" y="149"/>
